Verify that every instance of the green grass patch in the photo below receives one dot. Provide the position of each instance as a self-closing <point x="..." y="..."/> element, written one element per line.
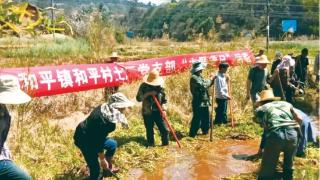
<point x="48" y="49"/>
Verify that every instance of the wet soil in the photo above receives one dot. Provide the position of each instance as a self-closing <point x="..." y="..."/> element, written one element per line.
<point x="219" y="159"/>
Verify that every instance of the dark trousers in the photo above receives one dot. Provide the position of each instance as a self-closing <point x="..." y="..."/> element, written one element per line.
<point x="91" y="158"/>
<point x="221" y="111"/>
<point x="8" y="170"/>
<point x="149" y="121"/>
<point x="282" y="140"/>
<point x="200" y="119"/>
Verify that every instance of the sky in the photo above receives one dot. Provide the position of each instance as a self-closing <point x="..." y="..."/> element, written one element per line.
<point x="157" y="2"/>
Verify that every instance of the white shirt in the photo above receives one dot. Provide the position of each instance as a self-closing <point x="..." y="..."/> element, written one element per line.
<point x="221" y="86"/>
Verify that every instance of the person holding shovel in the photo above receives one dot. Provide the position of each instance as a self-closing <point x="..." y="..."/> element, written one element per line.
<point x="200" y="100"/>
<point x="280" y="123"/>
<point x="10" y="93"/>
<point x="282" y="78"/>
<point x="152" y="86"/>
<point x="222" y="94"/>
<point x="91" y="135"/>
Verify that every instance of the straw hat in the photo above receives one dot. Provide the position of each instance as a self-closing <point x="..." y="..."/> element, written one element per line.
<point x="197" y="66"/>
<point x="267" y="95"/>
<point x="153" y="78"/>
<point x="263" y="59"/>
<point x="114" y="55"/>
<point x="119" y="100"/>
<point x="10" y="92"/>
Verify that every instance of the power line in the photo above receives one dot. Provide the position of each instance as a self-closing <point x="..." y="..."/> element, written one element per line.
<point x="299" y="15"/>
<point x="253" y="3"/>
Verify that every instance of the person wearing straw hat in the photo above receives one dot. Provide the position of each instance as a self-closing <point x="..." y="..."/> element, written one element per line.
<point x="111" y="90"/>
<point x="280" y="123"/>
<point x="257" y="78"/>
<point x="200" y="100"/>
<point x="10" y="93"/>
<point x="153" y="86"/>
<point x="91" y="135"/>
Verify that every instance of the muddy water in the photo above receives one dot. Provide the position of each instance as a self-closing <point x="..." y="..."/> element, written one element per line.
<point x="217" y="160"/>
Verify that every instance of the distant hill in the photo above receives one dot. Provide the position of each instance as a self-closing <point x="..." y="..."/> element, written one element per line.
<point x="189" y="19"/>
<point x="226" y="19"/>
<point x="112" y="6"/>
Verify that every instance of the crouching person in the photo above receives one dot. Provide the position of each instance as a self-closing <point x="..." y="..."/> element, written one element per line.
<point x="280" y="122"/>
<point x="91" y="135"/>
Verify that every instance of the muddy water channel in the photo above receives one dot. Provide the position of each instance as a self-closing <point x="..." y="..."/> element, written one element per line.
<point x="214" y="160"/>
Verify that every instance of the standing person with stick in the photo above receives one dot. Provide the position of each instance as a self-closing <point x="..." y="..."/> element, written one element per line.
<point x="10" y="93"/>
<point x="200" y="100"/>
<point x="222" y="94"/>
<point x="153" y="86"/>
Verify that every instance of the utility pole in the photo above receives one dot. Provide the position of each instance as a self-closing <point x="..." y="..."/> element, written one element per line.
<point x="268" y="24"/>
<point x="52" y="17"/>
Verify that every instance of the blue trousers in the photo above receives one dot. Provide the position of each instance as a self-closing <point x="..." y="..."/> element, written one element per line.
<point x="282" y="140"/>
<point x="221" y="111"/>
<point x="9" y="171"/>
<point x="91" y="158"/>
<point x="308" y="135"/>
<point x="200" y="119"/>
<point x="307" y="130"/>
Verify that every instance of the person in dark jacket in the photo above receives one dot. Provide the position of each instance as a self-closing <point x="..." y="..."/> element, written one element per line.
<point x="280" y="123"/>
<point x="153" y="86"/>
<point x="200" y="100"/>
<point x="302" y="63"/>
<point x="91" y="135"/>
<point x="10" y="93"/>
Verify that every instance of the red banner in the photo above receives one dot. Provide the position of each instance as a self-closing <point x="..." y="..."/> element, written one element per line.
<point x="180" y="63"/>
<point x="51" y="80"/>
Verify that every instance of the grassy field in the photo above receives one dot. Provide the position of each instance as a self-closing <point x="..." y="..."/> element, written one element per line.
<point x="47" y="151"/>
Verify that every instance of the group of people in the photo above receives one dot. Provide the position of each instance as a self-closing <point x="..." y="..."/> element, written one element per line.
<point x="285" y="127"/>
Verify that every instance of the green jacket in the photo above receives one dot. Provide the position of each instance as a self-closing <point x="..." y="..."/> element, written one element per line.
<point x="275" y="115"/>
<point x="148" y="104"/>
<point x="199" y="90"/>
